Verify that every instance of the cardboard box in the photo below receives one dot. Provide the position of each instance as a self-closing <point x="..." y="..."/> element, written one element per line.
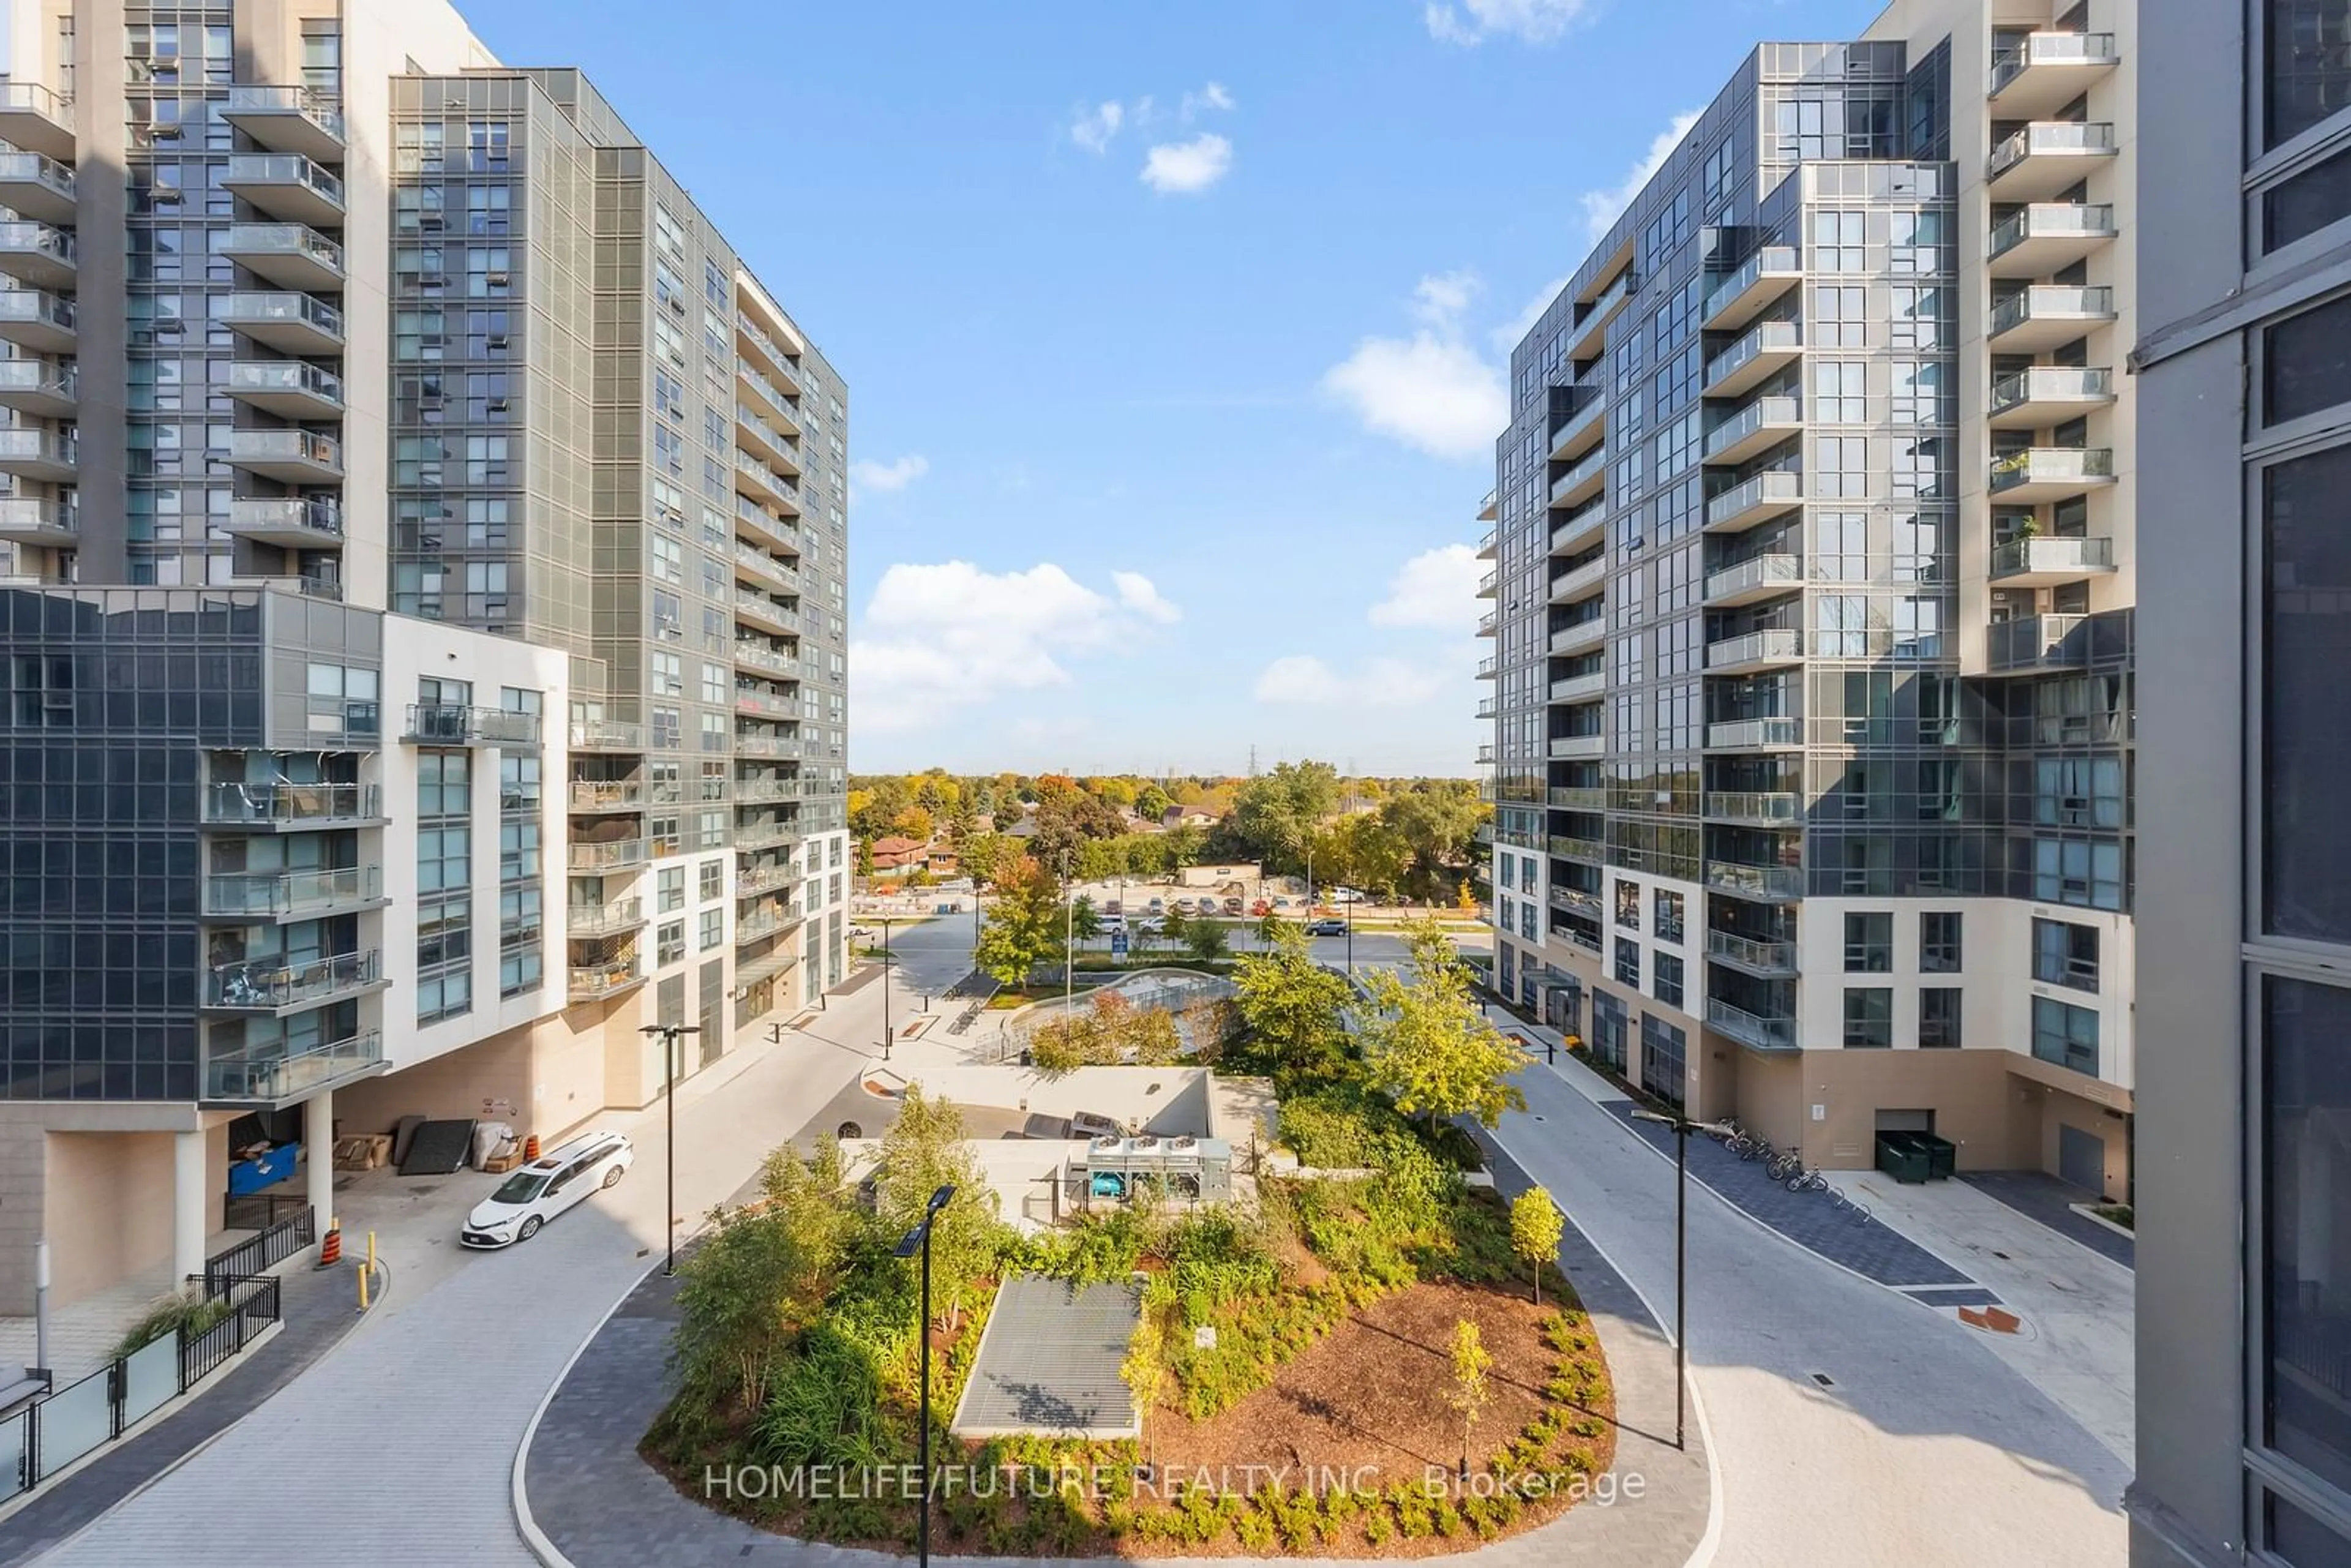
<point x="503" y="1162"/>
<point x="363" y="1152"/>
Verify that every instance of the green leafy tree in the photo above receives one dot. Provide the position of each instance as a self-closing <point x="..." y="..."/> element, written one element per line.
<point x="762" y="1275"/>
<point x="1084" y="920"/>
<point x="1182" y="847"/>
<point x="1025" y="924"/>
<point x="923" y="1151"/>
<point x="1206" y="940"/>
<point x="1472" y="1388"/>
<point x="1428" y="1045"/>
<point x="1110" y="1031"/>
<point x="914" y="823"/>
<point x="1294" y="1006"/>
<point x="1536" y="1229"/>
<point x="1150" y="801"/>
<point x="1174" y="930"/>
<point x="1438" y="824"/>
<point x="865" y="857"/>
<point x="980" y="853"/>
<point x="1277" y="813"/>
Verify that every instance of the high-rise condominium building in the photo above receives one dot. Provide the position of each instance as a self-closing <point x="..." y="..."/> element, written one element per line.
<point x="423" y="646"/>
<point x="2243" y="364"/>
<point x="1815" y="568"/>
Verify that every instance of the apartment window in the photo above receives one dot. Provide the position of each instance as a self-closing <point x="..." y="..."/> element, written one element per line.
<point x="1839" y="317"/>
<point x="1920" y="393"/>
<point x="671" y="881"/>
<point x="668" y="729"/>
<point x="669" y="558"/>
<point x="2064" y="953"/>
<point x="670" y="943"/>
<point x="518" y="852"/>
<point x="1628" y="904"/>
<point x="2305" y="747"/>
<point x="665" y="840"/>
<point x="2305" y="1101"/>
<point x="668" y="232"/>
<point x="521" y="968"/>
<point x="1938" y="1018"/>
<point x="322" y="56"/>
<point x="445" y="785"/>
<point x="710" y="831"/>
<point x="713" y="880"/>
<point x="443" y="996"/>
<point x="2066" y="871"/>
<point x="668" y="674"/>
<point x="443" y="857"/>
<point x="714" y="729"/>
<point x="1509" y="867"/>
<point x="1938" y="942"/>
<point x="1840" y="466"/>
<point x="1868" y="944"/>
<point x="2066" y="1035"/>
<point x="2308" y="76"/>
<point x="1839" y="394"/>
<point x="1869" y="1018"/>
<point x="1666" y="978"/>
<point x="1628" y="961"/>
<point x="714" y="929"/>
<point x="1717" y="175"/>
<point x="1527" y="920"/>
<point x="445" y="933"/>
<point x="1665" y="1059"/>
<point x="1666" y="912"/>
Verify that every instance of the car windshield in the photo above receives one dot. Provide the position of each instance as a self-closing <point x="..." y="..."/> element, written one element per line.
<point x="520" y="1188"/>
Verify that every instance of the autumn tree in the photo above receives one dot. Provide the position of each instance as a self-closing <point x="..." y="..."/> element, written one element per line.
<point x="1110" y="1032"/>
<point x="924" y="1151"/>
<point x="1427" y="1043"/>
<point x="914" y="823"/>
<point x="1294" y="1006"/>
<point x="1276" y="814"/>
<point x="1471" y="1391"/>
<point x="1024" y="925"/>
<point x="1536" y="1229"/>
<point x="1150" y="801"/>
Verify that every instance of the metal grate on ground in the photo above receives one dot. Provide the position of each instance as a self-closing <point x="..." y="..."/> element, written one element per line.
<point x="1047" y="1362"/>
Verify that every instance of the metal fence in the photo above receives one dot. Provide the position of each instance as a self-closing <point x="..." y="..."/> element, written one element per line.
<point x="47" y="1435"/>
<point x="274" y="1245"/>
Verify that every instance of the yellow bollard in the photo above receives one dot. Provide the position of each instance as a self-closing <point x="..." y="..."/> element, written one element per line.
<point x="363" y="1287"/>
<point x="371" y="1251"/>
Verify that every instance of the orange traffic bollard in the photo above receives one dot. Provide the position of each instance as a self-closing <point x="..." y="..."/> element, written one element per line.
<point x="330" y="1246"/>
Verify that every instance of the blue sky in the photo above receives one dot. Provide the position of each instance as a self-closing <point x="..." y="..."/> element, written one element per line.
<point x="1174" y="334"/>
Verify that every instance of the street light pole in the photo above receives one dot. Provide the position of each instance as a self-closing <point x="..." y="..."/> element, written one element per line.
<point x="1683" y="1126"/>
<point x="918" y="1239"/>
<point x="1068" y="936"/>
<point x="669" y="1033"/>
<point x="888" y="1035"/>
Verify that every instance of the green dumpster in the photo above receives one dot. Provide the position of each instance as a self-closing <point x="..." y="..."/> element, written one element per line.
<point x="1904" y="1157"/>
<point x="1942" y="1156"/>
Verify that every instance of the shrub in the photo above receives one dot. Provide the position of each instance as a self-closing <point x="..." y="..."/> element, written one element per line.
<point x="188" y="1311"/>
<point x="1256" y="1530"/>
<point x="1378" y="1523"/>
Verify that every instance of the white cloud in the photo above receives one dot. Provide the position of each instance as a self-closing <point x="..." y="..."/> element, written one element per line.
<point x="1094" y="127"/>
<point x="940" y="637"/>
<point x="1187" y="168"/>
<point x="1474" y="21"/>
<point x="1138" y="593"/>
<point x="1430" y="391"/>
<point x="1303" y="680"/>
<point x="1602" y="208"/>
<point x="1212" y="96"/>
<point x="1436" y="589"/>
<point x="1441" y="298"/>
<point x="871" y="476"/>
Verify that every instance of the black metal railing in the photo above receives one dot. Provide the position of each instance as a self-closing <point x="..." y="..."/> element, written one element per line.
<point x="277" y="1242"/>
<point x="68" y="1424"/>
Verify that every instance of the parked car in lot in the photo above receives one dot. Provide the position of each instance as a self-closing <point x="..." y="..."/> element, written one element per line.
<point x="1343" y="895"/>
<point x="1110" y="922"/>
<point x="1151" y="924"/>
<point x="1114" y="907"/>
<point x="1158" y="906"/>
<point x="1184" y="906"/>
<point x="1326" y="926"/>
<point x="1232" y="906"/>
<point x="544" y="1189"/>
<point x="1260" y="909"/>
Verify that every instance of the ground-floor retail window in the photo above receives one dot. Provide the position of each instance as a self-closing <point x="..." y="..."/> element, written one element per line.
<point x="1608" y="1021"/>
<point x="1664" y="1064"/>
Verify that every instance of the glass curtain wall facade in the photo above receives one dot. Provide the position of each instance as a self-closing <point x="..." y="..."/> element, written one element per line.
<point x="2244" y="1445"/>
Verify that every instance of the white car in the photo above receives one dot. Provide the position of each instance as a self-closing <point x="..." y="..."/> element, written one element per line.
<point x="544" y="1189"/>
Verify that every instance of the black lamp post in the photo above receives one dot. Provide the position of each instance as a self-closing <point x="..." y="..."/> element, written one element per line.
<point x="886" y="1033"/>
<point x="918" y="1240"/>
<point x="1683" y="1127"/>
<point x="669" y="1033"/>
<point x="1351" y="938"/>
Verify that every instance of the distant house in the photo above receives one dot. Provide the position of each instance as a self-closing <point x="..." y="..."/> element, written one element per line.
<point x="894" y="853"/>
<point x="1187" y="817"/>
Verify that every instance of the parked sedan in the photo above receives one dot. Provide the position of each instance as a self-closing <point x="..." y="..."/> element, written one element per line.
<point x="1326" y="927"/>
<point x="547" y="1186"/>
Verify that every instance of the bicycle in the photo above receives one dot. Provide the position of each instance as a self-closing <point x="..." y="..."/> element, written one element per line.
<point x="1785" y="1164"/>
<point x="1810" y="1181"/>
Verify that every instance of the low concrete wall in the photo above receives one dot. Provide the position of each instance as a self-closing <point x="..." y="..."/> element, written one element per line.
<point x="1168" y="1101"/>
<point x="1020" y="1173"/>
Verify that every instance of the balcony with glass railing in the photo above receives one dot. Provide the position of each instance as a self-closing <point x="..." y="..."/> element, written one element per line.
<point x="273" y="985"/>
<point x="287" y="185"/>
<point x="771" y="921"/>
<point x="2037" y="162"/>
<point x="1579" y="635"/>
<point x="1582" y="428"/>
<point x="1758" y="578"/>
<point x="288" y="120"/>
<point x="39" y="321"/>
<point x="765" y="440"/>
<point x="1754" y="430"/>
<point x="2040" y="318"/>
<point x="1770" y="494"/>
<point x="608" y="854"/>
<point x="267" y="806"/>
<point x="286" y="319"/>
<point x="48" y="389"/>
<point x="1773" y="732"/>
<point x="2031" y="644"/>
<point x="2038" y="73"/>
<point x="765" y="833"/>
<point x="1580" y="482"/>
<point x="1752" y="286"/>
<point x="292" y="256"/>
<point x="457" y="724"/>
<point x="752" y="880"/>
<point x="752" y="654"/>
<point x="1486" y="545"/>
<point x="617" y="918"/>
<point x="39" y="254"/>
<point x="2045" y="236"/>
<point x="50" y="456"/>
<point x="1762" y="351"/>
<point x="1763" y="882"/>
<point x="1769" y="648"/>
<point x="2044" y="395"/>
<point x="290" y="456"/>
<point x="37" y="119"/>
<point x="2044" y="562"/>
<point x="765" y="612"/>
<point x="763" y="483"/>
<point x="1485" y="668"/>
<point x="40" y="523"/>
<point x="1577" y="800"/>
<point x="591" y="982"/>
<point x="1567" y="847"/>
<point x="2051" y="474"/>
<point x="290" y="522"/>
<point x="291" y="389"/>
<point x="747" y="744"/>
<point x="1580" y="688"/>
<point x="1769" y="807"/>
<point x="593" y="795"/>
<point x="606" y="735"/>
<point x="291" y="894"/>
<point x="1757" y="957"/>
<point x="1578" y="747"/>
<point x="787" y="414"/>
<point x="1584" y="337"/>
<point x="1749" y="1029"/>
<point x="37" y="186"/>
<point x="766" y="567"/>
<point x="757" y="699"/>
<point x="763" y="791"/>
<point x="277" y="1071"/>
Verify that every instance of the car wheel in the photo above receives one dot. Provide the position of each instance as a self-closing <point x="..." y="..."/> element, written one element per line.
<point x="530" y="1228"/>
<point x="612" y="1177"/>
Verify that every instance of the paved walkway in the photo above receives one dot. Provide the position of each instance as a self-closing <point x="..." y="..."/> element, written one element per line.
<point x="1848" y="1427"/>
<point x="316" y="1308"/>
<point x="404" y="1438"/>
<point x="2042" y="1197"/>
<point x="601" y="1505"/>
<point x="82" y="1336"/>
